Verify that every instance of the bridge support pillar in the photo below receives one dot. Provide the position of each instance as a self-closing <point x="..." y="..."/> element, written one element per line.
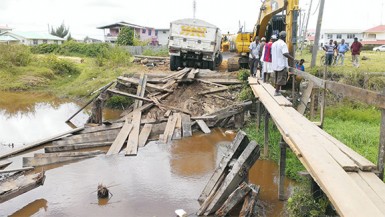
<point x="259" y="114"/>
<point x="282" y="169"/>
<point x="266" y="137"/>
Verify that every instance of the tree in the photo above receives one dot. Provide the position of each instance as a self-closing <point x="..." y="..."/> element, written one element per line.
<point x="69" y="38"/>
<point x="126" y="36"/>
<point x="60" y="31"/>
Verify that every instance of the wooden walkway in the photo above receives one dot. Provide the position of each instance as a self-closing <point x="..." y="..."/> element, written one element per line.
<point x="347" y="178"/>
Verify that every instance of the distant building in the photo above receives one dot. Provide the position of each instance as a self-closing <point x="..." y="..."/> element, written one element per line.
<point x="375" y="35"/>
<point x="143" y="33"/>
<point x="5" y="29"/>
<point x="89" y="40"/>
<point x="335" y="35"/>
<point x="162" y="35"/>
<point x="29" y="38"/>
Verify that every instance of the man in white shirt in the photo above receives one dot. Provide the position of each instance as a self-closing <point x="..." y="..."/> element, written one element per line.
<point x="254" y="56"/>
<point x="280" y="54"/>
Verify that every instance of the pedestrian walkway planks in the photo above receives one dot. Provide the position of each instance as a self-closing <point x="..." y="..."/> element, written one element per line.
<point x="308" y="143"/>
<point x="203" y="126"/>
<point x="120" y="139"/>
<point x="133" y="138"/>
<point x="144" y="134"/>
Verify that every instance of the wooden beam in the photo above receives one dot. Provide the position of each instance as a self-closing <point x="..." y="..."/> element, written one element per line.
<point x="266" y="135"/>
<point x="68" y="154"/>
<point x="381" y="147"/>
<point x="169" y="131"/>
<point x="178" y="127"/>
<point x="220" y="89"/>
<point x="211" y="83"/>
<point x="133" y="138"/>
<point x="235" y="198"/>
<point x="282" y="170"/>
<point x="144" y="134"/>
<point x="203" y="126"/>
<point x="38" y="143"/>
<point x="73" y="147"/>
<point x="4" y="164"/>
<point x="149" y="85"/>
<point x="120" y="138"/>
<point x="129" y="95"/>
<point x="362" y="95"/>
<point x="16" y="170"/>
<point x="186" y="125"/>
<point x="42" y="161"/>
<point x="305" y="98"/>
<point x="250" y="205"/>
<point x="101" y="128"/>
<point x="101" y="136"/>
<point x="140" y="90"/>
<point x="317" y="81"/>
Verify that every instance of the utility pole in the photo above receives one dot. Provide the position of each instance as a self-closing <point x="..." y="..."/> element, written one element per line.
<point x="194" y="8"/>
<point x="317" y="33"/>
<point x="307" y="22"/>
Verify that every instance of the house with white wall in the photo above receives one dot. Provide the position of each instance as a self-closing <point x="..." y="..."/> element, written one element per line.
<point x="336" y="35"/>
<point x="29" y="38"/>
<point x="143" y="33"/>
<point x="162" y="35"/>
<point x="374" y="36"/>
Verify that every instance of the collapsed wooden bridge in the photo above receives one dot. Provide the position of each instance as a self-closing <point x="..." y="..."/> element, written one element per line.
<point x="348" y="179"/>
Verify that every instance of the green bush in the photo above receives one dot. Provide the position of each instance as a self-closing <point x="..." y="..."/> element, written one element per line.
<point x="71" y="48"/>
<point x="246" y="93"/>
<point x="117" y="56"/>
<point x="161" y="52"/>
<point x="14" y="54"/>
<point x="61" y="67"/>
<point x="118" y="102"/>
<point x="45" y="48"/>
<point x="243" y="74"/>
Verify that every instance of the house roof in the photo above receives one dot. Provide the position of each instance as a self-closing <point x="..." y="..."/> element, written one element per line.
<point x="34" y="35"/>
<point x="121" y="24"/>
<point x="380" y="28"/>
<point x="377" y="42"/>
<point x="4" y="38"/>
<point x="5" y="28"/>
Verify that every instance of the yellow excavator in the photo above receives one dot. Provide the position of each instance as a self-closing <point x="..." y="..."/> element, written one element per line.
<point x="269" y="22"/>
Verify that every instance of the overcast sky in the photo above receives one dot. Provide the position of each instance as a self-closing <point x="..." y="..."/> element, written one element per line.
<point x="83" y="16"/>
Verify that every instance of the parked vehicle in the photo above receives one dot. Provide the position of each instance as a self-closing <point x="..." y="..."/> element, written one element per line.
<point x="379" y="48"/>
<point x="194" y="43"/>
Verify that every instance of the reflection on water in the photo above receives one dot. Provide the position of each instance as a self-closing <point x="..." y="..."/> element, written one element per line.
<point x="39" y="205"/>
<point x="27" y="117"/>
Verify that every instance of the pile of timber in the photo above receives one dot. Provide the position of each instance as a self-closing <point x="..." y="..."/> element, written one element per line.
<point x="228" y="186"/>
<point x="151" y="61"/>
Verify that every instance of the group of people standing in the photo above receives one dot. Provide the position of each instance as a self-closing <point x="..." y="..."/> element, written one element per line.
<point x="271" y="57"/>
<point x="335" y="53"/>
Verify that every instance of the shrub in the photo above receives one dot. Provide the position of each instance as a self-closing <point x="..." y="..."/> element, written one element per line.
<point x="153" y="52"/>
<point x="243" y="74"/>
<point x="117" y="56"/>
<point x="246" y="93"/>
<point x="90" y="50"/>
<point x="45" y="48"/>
<point x="118" y="102"/>
<point x="14" y="54"/>
<point x="61" y="67"/>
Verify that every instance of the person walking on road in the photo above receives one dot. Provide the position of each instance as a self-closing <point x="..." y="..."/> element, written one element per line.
<point x="280" y="54"/>
<point x="267" y="68"/>
<point x="254" y="56"/>
<point x="356" y="50"/>
<point x="342" y="49"/>
<point x="329" y="49"/>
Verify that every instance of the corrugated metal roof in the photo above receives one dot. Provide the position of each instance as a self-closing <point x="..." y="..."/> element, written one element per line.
<point x="120" y="24"/>
<point x="37" y="35"/>
<point x="7" y="38"/>
<point x="380" y="28"/>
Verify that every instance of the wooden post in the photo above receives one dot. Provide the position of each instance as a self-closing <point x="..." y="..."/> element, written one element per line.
<point x="323" y="100"/>
<point x="312" y="104"/>
<point x="381" y="147"/>
<point x="266" y="143"/>
<point x="97" y="110"/>
<point x="259" y="114"/>
<point x="282" y="167"/>
<point x="293" y="88"/>
<point x="239" y="120"/>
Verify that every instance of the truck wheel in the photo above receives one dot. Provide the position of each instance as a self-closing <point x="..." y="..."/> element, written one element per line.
<point x="211" y="65"/>
<point x="218" y="60"/>
<point x="178" y="62"/>
<point x="173" y="66"/>
<point x="205" y="64"/>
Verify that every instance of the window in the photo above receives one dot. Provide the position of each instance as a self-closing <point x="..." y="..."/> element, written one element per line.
<point x="143" y="31"/>
<point x="329" y="36"/>
<point x="156" y="32"/>
<point x="322" y="36"/>
<point x="372" y="36"/>
<point x="339" y="36"/>
<point x="149" y="31"/>
<point x="164" y="32"/>
<point x="45" y="41"/>
<point x="35" y="41"/>
<point x="351" y="35"/>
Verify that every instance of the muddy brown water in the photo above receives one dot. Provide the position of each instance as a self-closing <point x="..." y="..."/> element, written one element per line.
<point x="159" y="180"/>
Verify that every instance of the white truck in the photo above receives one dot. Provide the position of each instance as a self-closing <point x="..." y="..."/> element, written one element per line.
<point x="194" y="43"/>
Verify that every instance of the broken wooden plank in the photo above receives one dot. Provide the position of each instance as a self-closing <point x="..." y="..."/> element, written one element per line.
<point x="238" y="174"/>
<point x="176" y="74"/>
<point x="42" y="161"/>
<point x="141" y="90"/>
<point x="178" y="127"/>
<point x="144" y="134"/>
<point x="237" y="146"/>
<point x="210" y="82"/>
<point x="169" y="131"/>
<point x="193" y="73"/>
<point x="40" y="142"/>
<point x="129" y="95"/>
<point x="73" y="147"/>
<point x="101" y="128"/>
<point x="305" y="98"/>
<point x="101" y="136"/>
<point x="68" y="154"/>
<point x="167" y="113"/>
<point x="16" y="170"/>
<point x="220" y="89"/>
<point x="120" y="139"/>
<point x="186" y="125"/>
<point x="15" y="187"/>
<point x="250" y="205"/>
<point x="133" y="138"/>
<point x="235" y="197"/>
<point x="4" y="164"/>
<point x="149" y="85"/>
<point x="203" y="126"/>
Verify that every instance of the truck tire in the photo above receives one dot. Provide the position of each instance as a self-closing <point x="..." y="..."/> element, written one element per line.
<point x="173" y="66"/>
<point x="218" y="60"/>
<point x="211" y="65"/>
<point x="205" y="64"/>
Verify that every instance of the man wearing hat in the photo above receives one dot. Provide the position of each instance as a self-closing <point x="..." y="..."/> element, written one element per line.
<point x="280" y="54"/>
<point x="356" y="50"/>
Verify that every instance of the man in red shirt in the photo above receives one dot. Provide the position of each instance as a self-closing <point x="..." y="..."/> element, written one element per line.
<point x="356" y="50"/>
